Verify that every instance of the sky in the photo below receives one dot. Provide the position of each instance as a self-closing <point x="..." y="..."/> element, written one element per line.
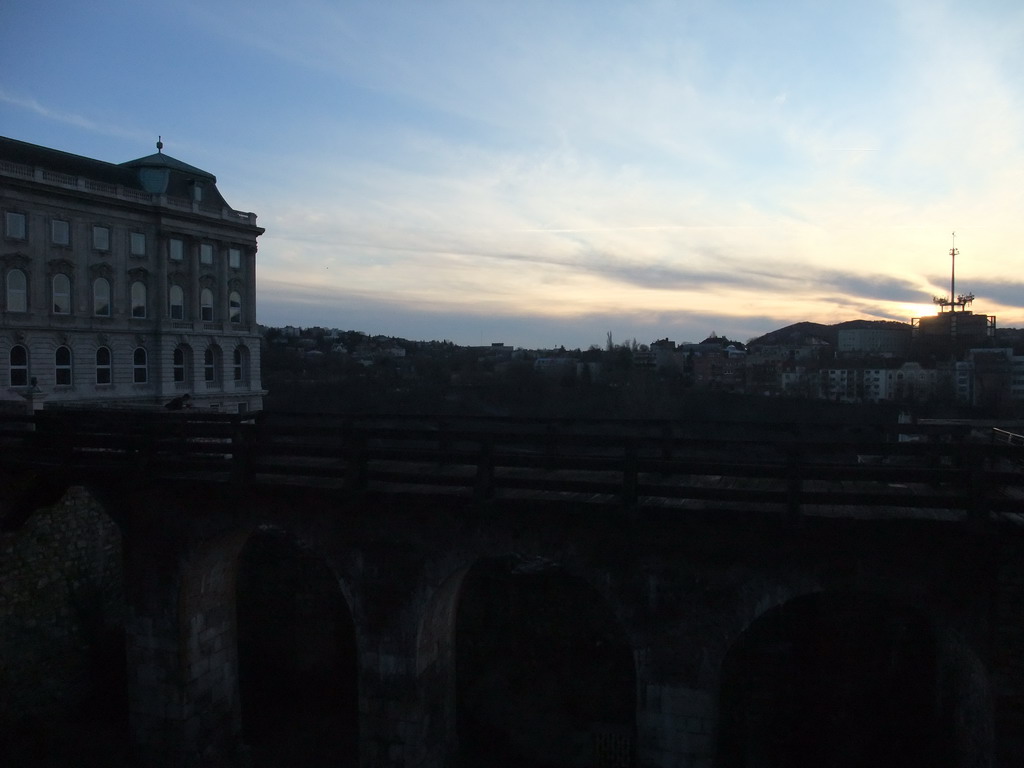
<point x="546" y="173"/>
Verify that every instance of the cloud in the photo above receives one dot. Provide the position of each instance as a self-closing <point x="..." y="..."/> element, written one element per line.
<point x="1003" y="293"/>
<point x="30" y="104"/>
<point x="875" y="289"/>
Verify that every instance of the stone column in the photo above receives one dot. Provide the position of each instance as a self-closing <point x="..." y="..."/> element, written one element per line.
<point x="387" y="615"/>
<point x="181" y="645"/>
<point x="676" y="723"/>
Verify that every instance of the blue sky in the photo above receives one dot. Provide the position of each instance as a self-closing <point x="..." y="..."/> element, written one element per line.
<point x="543" y="173"/>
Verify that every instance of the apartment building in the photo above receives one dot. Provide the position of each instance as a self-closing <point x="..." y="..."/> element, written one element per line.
<point x="905" y="382"/>
<point x="126" y="284"/>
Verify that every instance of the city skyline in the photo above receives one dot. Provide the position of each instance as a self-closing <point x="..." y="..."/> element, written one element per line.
<point x="545" y="176"/>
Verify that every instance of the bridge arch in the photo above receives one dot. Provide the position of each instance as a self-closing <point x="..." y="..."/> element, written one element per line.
<point x="851" y="678"/>
<point x="521" y="662"/>
<point x="297" y="657"/>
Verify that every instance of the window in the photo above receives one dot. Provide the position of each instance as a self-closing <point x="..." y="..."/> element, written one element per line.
<point x="180" y="362"/>
<point x="17" y="291"/>
<point x="138" y="299"/>
<point x="211" y="365"/>
<point x="62" y="367"/>
<point x="19" y="366"/>
<point x="176" y="249"/>
<point x="235" y="258"/>
<point x="103" y="365"/>
<point x="177" y="303"/>
<point x="101" y="238"/>
<point x="197" y="191"/>
<point x="241" y="363"/>
<point x="206" y="305"/>
<point x="14" y="225"/>
<point x="101" y="297"/>
<point x="137" y="243"/>
<point x="235" y="307"/>
<point x="206" y="253"/>
<point x="140" y="371"/>
<point x="60" y="232"/>
<point x="61" y="295"/>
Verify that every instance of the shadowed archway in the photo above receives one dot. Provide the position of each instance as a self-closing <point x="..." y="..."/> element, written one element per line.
<point x="296" y="658"/>
<point x="850" y="681"/>
<point x="545" y="676"/>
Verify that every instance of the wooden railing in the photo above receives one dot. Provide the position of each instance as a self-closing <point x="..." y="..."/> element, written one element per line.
<point x="792" y="468"/>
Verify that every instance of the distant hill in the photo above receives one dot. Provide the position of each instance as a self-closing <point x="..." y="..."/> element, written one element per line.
<point x="800" y="334"/>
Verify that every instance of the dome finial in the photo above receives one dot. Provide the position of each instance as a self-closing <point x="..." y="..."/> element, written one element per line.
<point x="159" y="144"/>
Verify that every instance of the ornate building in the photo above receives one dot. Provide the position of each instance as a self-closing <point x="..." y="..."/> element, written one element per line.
<point x="129" y="284"/>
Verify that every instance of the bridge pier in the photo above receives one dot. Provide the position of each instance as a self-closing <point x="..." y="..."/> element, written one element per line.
<point x="166" y="727"/>
<point x="389" y="709"/>
<point x="395" y="711"/>
<point x="676" y="725"/>
<point x="677" y="681"/>
<point x="181" y="645"/>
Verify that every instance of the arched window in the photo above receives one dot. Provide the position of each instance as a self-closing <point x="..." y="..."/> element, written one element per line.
<point x="206" y="305"/>
<point x="138" y="299"/>
<point x="17" y="291"/>
<point x="177" y="302"/>
<point x="211" y="365"/>
<point x="241" y="364"/>
<point x="103" y="375"/>
<point x="140" y="369"/>
<point x="181" y="363"/>
<point x="235" y="307"/>
<point x="62" y="367"/>
<point x="101" y="297"/>
<point x="61" y="294"/>
<point x="19" y="366"/>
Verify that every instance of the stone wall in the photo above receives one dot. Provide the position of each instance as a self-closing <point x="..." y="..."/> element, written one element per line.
<point x="61" y="609"/>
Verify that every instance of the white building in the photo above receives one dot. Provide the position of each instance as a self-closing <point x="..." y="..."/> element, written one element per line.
<point x="909" y="381"/>
<point x="124" y="284"/>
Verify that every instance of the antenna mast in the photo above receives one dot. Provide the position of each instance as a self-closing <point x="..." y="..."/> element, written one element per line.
<point x="953" y="301"/>
<point x="952" y="270"/>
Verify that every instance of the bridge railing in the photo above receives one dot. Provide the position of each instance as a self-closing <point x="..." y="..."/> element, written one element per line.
<point x="1006" y="437"/>
<point x="792" y="468"/>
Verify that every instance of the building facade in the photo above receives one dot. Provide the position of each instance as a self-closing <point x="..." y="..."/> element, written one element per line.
<point x="951" y="333"/>
<point x="892" y="341"/>
<point x="125" y="284"/>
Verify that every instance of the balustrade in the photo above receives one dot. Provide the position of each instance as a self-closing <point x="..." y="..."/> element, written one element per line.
<point x="626" y="463"/>
<point x="54" y="178"/>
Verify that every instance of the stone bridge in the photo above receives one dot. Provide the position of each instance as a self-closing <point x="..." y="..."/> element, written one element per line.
<point x="383" y="613"/>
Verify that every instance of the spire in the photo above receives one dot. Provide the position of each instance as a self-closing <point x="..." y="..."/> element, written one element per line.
<point x="159" y="144"/>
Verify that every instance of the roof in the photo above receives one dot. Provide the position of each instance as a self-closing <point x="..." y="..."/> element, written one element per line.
<point x="160" y="160"/>
<point x="176" y="179"/>
<point x="64" y="162"/>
